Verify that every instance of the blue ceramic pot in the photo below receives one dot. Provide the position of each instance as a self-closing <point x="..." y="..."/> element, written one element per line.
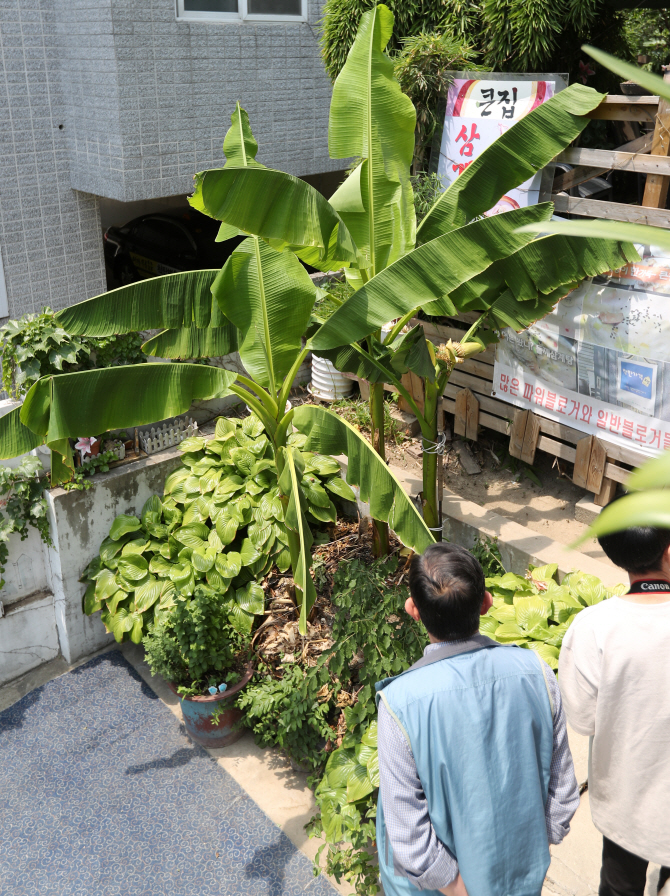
<point x="197" y="713"/>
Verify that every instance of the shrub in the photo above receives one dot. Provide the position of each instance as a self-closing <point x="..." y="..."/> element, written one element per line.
<point x="194" y="646"/>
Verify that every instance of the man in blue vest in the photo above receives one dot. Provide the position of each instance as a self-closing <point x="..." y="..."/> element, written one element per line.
<point x="476" y="776"/>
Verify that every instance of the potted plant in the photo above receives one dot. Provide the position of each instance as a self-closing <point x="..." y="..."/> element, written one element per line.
<point x="205" y="661"/>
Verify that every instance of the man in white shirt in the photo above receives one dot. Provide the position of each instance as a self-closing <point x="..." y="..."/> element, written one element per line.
<point x="614" y="675"/>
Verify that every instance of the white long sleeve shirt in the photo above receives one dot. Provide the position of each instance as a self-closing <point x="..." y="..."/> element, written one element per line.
<point x="614" y="675"/>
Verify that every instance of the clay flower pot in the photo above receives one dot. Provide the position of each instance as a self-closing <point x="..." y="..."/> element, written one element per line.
<point x="197" y="713"/>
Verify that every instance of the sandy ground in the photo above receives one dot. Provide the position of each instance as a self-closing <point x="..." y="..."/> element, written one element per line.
<point x="502" y="487"/>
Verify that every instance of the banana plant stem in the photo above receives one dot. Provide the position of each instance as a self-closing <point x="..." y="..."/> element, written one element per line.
<point x="380" y="532"/>
<point x="429" y="431"/>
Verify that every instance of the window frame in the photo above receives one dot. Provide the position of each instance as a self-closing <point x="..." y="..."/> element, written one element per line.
<point x="240" y="16"/>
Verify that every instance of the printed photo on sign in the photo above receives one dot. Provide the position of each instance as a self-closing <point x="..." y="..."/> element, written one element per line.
<point x="602" y="357"/>
<point x="480" y="111"/>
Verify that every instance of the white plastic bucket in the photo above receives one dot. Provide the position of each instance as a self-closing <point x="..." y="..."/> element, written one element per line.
<point x="327" y="382"/>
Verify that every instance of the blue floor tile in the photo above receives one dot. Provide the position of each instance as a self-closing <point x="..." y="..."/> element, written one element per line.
<point x="102" y="793"/>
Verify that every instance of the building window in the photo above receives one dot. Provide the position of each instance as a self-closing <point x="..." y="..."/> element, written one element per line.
<point x="234" y="10"/>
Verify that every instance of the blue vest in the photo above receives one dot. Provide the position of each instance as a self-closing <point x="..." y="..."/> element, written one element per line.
<point x="480" y="728"/>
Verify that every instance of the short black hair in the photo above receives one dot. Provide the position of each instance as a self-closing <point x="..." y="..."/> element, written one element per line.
<point x="639" y="549"/>
<point x="447" y="585"/>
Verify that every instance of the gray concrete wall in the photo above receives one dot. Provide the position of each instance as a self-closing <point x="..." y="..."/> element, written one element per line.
<point x="148" y="98"/>
<point x="118" y="99"/>
<point x="49" y="233"/>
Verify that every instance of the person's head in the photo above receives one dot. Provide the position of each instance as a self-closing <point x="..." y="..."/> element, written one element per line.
<point x="447" y="591"/>
<point x="638" y="550"/>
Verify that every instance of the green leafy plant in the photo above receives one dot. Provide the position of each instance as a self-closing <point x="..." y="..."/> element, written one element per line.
<point x="289" y="713"/>
<point x="261" y="303"/>
<point x="96" y="463"/>
<point x="373" y="636"/>
<point x="487" y="552"/>
<point x="194" y="646"/>
<point x="25" y="505"/>
<point x="424" y="68"/>
<point x="347" y="801"/>
<point x="220" y="526"/>
<point x="37" y="346"/>
<point x="504" y="34"/>
<point x="535" y="611"/>
<point x="452" y="262"/>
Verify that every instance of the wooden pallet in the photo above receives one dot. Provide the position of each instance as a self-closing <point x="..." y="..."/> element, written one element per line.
<point x="646" y="154"/>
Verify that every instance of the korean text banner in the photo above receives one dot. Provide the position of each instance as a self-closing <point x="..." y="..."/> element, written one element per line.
<point x="600" y="362"/>
<point x="478" y="112"/>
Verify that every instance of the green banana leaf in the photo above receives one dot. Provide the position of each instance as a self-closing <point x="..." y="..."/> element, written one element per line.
<point x="89" y="402"/>
<point x="296" y="521"/>
<point x="370" y="118"/>
<point x="517" y="155"/>
<point x="423" y="277"/>
<point x="608" y="230"/>
<point x="654" y="473"/>
<point x="268" y="296"/>
<point x="646" y="508"/>
<point x="173" y="301"/>
<point x="656" y="85"/>
<point x="551" y="265"/>
<point x="15" y="438"/>
<point x="329" y="434"/>
<point x="277" y="207"/>
<point x="193" y="342"/>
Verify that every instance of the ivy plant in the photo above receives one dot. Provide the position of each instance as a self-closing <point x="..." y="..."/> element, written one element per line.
<point x="220" y="525"/>
<point x="36" y="345"/>
<point x="25" y="505"/>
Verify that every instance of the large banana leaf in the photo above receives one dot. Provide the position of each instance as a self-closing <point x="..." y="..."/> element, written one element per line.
<point x="329" y="434"/>
<point x="296" y="521"/>
<point x="269" y="296"/>
<point x="647" y="508"/>
<point x="653" y="474"/>
<point x="543" y="266"/>
<point x="653" y="83"/>
<point x="173" y="301"/>
<point x="89" y="402"/>
<point x="277" y="207"/>
<point x="608" y="230"/>
<point x="15" y="438"/>
<point x="193" y="342"/>
<point x="514" y="157"/>
<point x="370" y="118"/>
<point x="426" y="275"/>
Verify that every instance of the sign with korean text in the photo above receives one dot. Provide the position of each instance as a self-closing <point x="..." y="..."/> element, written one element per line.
<point x="478" y="112"/>
<point x="600" y="362"/>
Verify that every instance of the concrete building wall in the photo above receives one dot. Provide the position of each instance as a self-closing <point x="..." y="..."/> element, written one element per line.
<point x="118" y="99"/>
<point x="148" y="98"/>
<point x="49" y="233"/>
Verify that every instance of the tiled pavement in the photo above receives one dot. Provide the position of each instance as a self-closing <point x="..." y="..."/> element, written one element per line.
<point x="101" y="792"/>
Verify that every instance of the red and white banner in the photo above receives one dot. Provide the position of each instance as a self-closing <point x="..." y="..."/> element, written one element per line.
<point x="621" y="426"/>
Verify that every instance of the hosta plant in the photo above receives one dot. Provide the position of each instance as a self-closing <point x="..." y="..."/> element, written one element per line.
<point x="535" y="611"/>
<point x="220" y="526"/>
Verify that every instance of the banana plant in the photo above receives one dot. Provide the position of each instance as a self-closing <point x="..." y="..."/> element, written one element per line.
<point x="261" y="302"/>
<point x="369" y="227"/>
